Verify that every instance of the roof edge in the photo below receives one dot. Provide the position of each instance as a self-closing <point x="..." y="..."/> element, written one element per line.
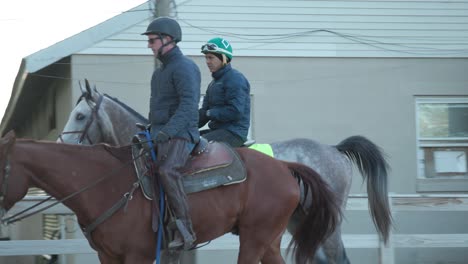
<point x="15" y="93"/>
<point x="67" y="47"/>
<point x="86" y="38"/>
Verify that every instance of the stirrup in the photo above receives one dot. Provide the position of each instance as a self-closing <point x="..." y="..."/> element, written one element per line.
<point x="182" y="237"/>
<point x="177" y="242"/>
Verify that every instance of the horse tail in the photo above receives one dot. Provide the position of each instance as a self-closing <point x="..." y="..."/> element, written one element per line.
<point x="373" y="167"/>
<point x="322" y="217"/>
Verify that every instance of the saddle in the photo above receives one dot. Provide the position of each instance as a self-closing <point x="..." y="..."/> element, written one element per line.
<point x="211" y="164"/>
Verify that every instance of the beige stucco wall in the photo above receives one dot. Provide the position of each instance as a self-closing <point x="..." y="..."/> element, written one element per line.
<point x="326" y="99"/>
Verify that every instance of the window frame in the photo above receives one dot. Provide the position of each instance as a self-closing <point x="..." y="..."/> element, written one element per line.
<point x="444" y="182"/>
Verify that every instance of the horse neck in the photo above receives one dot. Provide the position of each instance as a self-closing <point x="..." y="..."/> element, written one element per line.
<point x="120" y="127"/>
<point x="62" y="169"/>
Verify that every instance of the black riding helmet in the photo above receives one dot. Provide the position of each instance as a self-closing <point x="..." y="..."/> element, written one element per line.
<point x="165" y="26"/>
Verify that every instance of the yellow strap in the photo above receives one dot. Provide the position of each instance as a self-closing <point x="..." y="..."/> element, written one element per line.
<point x="264" y="148"/>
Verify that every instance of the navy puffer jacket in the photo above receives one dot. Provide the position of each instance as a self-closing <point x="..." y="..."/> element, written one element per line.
<point x="175" y="93"/>
<point x="228" y="100"/>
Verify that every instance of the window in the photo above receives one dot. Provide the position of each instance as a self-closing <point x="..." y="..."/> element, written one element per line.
<point x="442" y="134"/>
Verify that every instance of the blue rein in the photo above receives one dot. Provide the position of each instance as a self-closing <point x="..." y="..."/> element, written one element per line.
<point x="146" y="133"/>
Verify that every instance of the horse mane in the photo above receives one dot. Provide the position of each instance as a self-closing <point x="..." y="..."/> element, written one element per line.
<point x="128" y="108"/>
<point x="122" y="153"/>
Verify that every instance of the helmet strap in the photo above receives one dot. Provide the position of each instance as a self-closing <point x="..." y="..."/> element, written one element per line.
<point x="160" y="50"/>
<point x="224" y="59"/>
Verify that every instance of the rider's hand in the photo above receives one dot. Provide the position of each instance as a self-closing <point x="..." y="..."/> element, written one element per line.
<point x="161" y="137"/>
<point x="202" y="118"/>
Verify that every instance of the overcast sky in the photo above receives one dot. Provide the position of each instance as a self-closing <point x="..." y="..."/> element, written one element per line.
<point x="28" y="26"/>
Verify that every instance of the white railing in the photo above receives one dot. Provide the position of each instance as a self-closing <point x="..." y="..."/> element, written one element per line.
<point x="229" y="242"/>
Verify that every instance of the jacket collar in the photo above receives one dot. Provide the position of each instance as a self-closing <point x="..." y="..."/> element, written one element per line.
<point x="170" y="55"/>
<point x="217" y="74"/>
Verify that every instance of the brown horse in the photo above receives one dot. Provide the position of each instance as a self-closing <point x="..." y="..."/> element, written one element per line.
<point x="100" y="118"/>
<point x="258" y="208"/>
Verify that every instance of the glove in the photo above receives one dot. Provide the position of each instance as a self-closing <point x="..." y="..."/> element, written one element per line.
<point x="202" y="118"/>
<point x="161" y="137"/>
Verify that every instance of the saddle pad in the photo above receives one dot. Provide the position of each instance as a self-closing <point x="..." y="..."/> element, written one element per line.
<point x="263" y="148"/>
<point x="216" y="155"/>
<point x="219" y="165"/>
<point x="227" y="174"/>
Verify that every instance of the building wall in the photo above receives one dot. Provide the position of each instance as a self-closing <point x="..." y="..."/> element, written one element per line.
<point x="324" y="70"/>
<point x="297" y="28"/>
<point x="50" y="106"/>
<point x="326" y="99"/>
<point x="64" y="105"/>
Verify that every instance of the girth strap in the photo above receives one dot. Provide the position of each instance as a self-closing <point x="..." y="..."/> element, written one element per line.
<point x="103" y="217"/>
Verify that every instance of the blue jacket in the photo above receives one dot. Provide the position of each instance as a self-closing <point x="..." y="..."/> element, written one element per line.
<point x="175" y="94"/>
<point x="228" y="100"/>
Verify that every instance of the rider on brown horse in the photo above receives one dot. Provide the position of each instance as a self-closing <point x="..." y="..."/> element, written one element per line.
<point x="175" y="93"/>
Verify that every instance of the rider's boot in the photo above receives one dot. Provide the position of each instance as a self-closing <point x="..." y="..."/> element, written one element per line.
<point x="183" y="236"/>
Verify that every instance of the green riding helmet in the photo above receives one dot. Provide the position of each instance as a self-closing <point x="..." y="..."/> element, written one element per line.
<point x="218" y="45"/>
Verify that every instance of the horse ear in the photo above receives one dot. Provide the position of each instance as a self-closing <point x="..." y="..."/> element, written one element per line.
<point x="88" y="87"/>
<point x="84" y="93"/>
<point x="96" y="91"/>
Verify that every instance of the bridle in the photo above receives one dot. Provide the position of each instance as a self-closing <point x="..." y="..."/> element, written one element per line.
<point x="84" y="134"/>
<point x="121" y="203"/>
<point x="3" y="192"/>
<point x="94" y="115"/>
<point x="87" y="230"/>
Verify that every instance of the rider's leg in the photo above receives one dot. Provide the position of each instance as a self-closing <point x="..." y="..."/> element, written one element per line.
<point x="172" y="156"/>
<point x="223" y="135"/>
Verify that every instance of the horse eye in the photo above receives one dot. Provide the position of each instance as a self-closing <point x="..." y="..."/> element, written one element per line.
<point x="80" y="117"/>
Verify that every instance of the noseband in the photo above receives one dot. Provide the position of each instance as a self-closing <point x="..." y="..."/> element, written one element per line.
<point x="84" y="132"/>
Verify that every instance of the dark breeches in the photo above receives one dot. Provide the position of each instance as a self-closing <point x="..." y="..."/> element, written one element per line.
<point x="172" y="156"/>
<point x="223" y="135"/>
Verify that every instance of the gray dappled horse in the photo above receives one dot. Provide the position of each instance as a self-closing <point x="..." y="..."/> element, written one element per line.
<point x="99" y="118"/>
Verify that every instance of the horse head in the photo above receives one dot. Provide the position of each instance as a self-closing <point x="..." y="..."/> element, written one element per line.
<point x="99" y="118"/>
<point x="6" y="144"/>
<point x="84" y="126"/>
